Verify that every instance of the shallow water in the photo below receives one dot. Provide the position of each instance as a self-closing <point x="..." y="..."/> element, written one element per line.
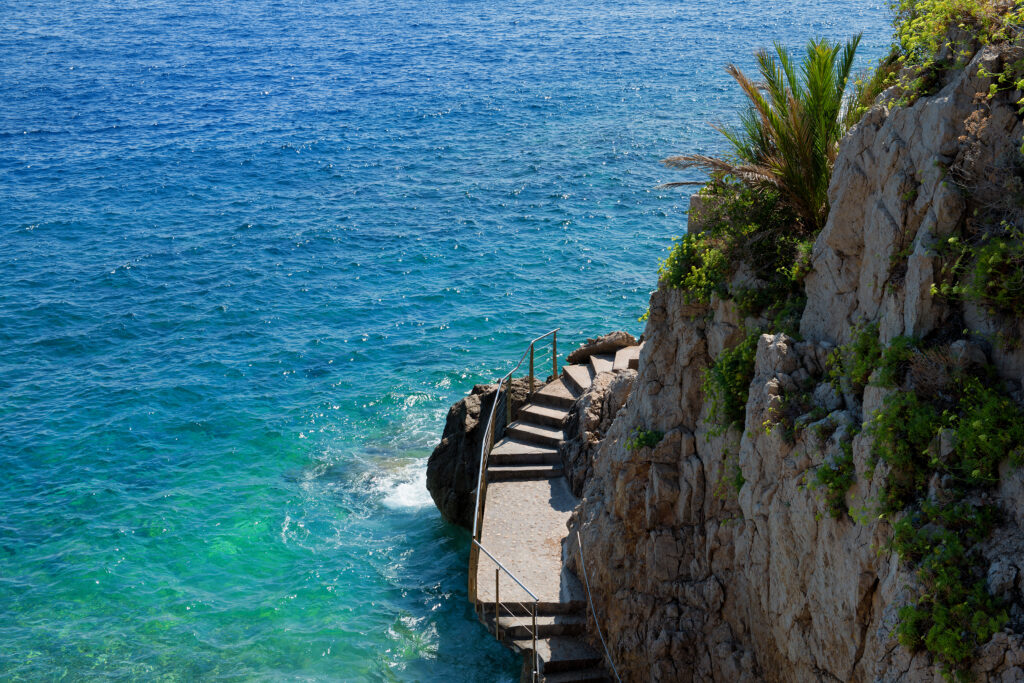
<point x="253" y="250"/>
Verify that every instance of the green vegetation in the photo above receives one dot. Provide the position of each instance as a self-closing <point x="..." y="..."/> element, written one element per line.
<point x="741" y="225"/>
<point x="987" y="269"/>
<point x="997" y="279"/>
<point x="948" y="426"/>
<point x="922" y="28"/>
<point x="982" y="424"/>
<point x="852" y="364"/>
<point x="789" y="135"/>
<point x="643" y="438"/>
<point x="727" y="383"/>
<point x="954" y="613"/>
<point x="836" y="477"/>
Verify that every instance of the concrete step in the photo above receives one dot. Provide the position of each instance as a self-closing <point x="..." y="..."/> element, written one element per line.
<point x="522" y="472"/>
<point x="567" y="607"/>
<point x="561" y="654"/>
<point x="556" y="394"/>
<point x="543" y="415"/>
<point x="627" y="358"/>
<point x="534" y="433"/>
<point x="589" y="675"/>
<point x="521" y="627"/>
<point x="514" y="452"/>
<point x="579" y="377"/>
<point x="602" y="363"/>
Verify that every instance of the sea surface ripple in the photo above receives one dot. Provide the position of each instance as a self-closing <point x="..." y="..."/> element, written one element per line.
<point x="252" y="250"/>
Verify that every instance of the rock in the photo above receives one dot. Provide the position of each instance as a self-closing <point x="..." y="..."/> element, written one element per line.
<point x="826" y="396"/>
<point x="454" y="467"/>
<point x="1002" y="578"/>
<point x="588" y="422"/>
<point x="607" y="343"/>
<point x="699" y="213"/>
<point x="716" y="556"/>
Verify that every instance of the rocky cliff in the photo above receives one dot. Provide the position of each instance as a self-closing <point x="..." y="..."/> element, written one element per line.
<point x="718" y="554"/>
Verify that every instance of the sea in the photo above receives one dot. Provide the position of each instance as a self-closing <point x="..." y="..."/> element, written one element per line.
<point x="251" y="252"/>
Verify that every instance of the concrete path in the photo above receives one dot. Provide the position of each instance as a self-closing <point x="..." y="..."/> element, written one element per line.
<point x="527" y="503"/>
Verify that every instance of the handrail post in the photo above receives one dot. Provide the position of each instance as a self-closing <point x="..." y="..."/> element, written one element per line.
<point x="530" y="391"/>
<point x="554" y="354"/>
<point x="497" y="574"/>
<point x="508" y="402"/>
<point x="535" y="672"/>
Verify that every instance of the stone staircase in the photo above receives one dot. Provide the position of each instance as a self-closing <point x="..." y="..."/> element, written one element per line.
<point x="527" y="505"/>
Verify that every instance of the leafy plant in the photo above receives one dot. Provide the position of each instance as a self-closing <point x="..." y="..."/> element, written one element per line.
<point x="643" y="438"/>
<point x="997" y="280"/>
<point x="954" y="612"/>
<point x="749" y="226"/>
<point x="852" y="364"/>
<point x="836" y="477"/>
<point x="789" y="135"/>
<point x="727" y="382"/>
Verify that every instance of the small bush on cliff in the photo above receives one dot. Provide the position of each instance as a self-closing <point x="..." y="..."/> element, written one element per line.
<point x="643" y="438"/>
<point x="837" y="476"/>
<point x="748" y="226"/>
<point x="850" y="365"/>
<point x="789" y="135"/>
<point x="923" y="26"/>
<point x="954" y="612"/>
<point x="727" y="383"/>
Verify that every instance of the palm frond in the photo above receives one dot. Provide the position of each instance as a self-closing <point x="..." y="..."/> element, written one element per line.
<point x="788" y="135"/>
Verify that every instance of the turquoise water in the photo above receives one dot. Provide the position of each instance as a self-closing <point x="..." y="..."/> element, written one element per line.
<point x="251" y="253"/>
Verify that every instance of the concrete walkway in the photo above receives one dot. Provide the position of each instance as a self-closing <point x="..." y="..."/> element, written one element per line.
<point x="527" y="504"/>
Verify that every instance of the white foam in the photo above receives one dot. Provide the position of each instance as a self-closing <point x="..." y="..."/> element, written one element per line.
<point x="406" y="487"/>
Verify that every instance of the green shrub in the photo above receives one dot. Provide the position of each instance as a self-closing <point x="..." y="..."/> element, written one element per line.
<point x="643" y="438"/>
<point x="696" y="266"/>
<point x="922" y="25"/>
<point x="836" y="477"/>
<point x="727" y="383"/>
<point x="749" y="226"/>
<point x="894" y="361"/>
<point x="789" y="135"/>
<point x="997" y="279"/>
<point x="903" y="430"/>
<point x="954" y="613"/>
<point x="853" y="363"/>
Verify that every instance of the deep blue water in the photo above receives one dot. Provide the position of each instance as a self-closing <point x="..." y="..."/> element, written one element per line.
<point x="252" y="250"/>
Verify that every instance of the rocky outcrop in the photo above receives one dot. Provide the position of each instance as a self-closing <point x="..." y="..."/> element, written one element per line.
<point x="588" y="422"/>
<point x="712" y="555"/>
<point x="454" y="466"/>
<point x="606" y="343"/>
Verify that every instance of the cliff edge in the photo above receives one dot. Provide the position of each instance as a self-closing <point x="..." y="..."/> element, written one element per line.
<point x="796" y="544"/>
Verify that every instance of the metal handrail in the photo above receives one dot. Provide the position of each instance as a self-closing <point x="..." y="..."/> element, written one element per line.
<point x="504" y="388"/>
<point x="590" y="599"/>
<point x="498" y="606"/>
<point x="485" y="447"/>
<point x="505" y="569"/>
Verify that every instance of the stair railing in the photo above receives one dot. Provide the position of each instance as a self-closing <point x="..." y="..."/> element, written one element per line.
<point x="504" y="393"/>
<point x="593" y="612"/>
<point x="512" y="609"/>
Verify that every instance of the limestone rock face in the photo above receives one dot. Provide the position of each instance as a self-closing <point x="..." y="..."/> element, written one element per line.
<point x="713" y="555"/>
<point x="454" y="466"/>
<point x="606" y="343"/>
<point x="588" y="422"/>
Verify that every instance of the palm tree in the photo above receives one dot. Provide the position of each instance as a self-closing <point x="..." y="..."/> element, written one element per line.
<point x="789" y="134"/>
